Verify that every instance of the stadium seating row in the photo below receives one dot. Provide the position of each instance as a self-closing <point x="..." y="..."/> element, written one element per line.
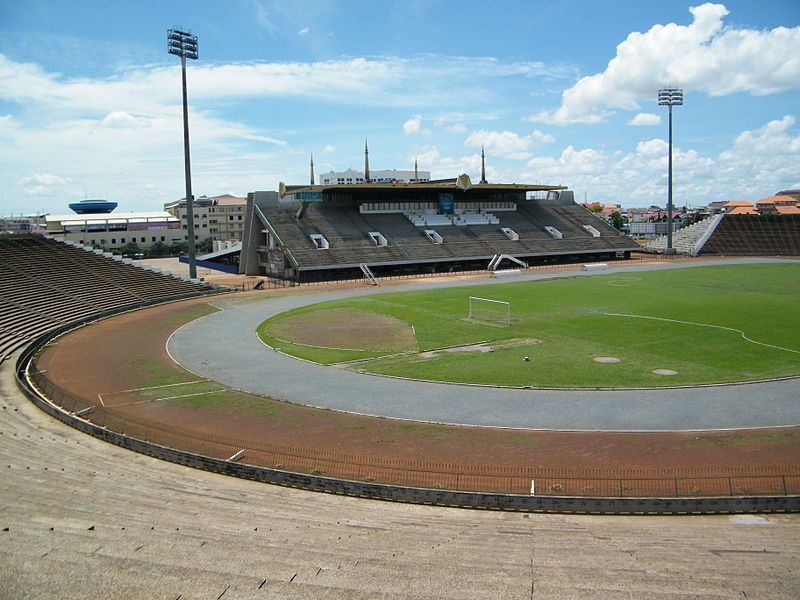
<point x="45" y="283"/>
<point x="758" y="235"/>
<point x="347" y="230"/>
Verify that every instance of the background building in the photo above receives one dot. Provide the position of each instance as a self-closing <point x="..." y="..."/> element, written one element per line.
<point x="220" y="218"/>
<point x="350" y="176"/>
<point x="22" y="224"/>
<point x="113" y="231"/>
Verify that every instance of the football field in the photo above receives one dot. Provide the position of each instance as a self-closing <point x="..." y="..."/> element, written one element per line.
<point x="700" y="325"/>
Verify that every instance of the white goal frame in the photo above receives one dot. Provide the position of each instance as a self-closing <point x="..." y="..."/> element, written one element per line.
<point x="487" y="309"/>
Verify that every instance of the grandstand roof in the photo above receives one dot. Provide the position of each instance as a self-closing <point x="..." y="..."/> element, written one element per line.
<point x="461" y="183"/>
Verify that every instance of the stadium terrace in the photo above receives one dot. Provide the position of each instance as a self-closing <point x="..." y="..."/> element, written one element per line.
<point x="341" y="231"/>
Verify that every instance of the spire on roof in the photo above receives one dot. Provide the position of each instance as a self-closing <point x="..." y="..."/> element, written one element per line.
<point x="483" y="166"/>
<point x="366" y="161"/>
<point x="312" y="168"/>
<point x="416" y="171"/>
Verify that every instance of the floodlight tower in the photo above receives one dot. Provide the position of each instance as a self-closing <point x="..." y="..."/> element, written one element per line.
<point x="670" y="97"/>
<point x="184" y="44"/>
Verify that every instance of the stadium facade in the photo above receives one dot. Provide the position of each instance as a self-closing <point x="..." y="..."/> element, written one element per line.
<point x="337" y="231"/>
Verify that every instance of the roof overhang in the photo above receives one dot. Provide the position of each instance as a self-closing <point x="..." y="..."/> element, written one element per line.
<point x="458" y="184"/>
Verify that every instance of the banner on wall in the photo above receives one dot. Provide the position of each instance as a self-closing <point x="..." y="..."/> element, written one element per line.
<point x="446" y="203"/>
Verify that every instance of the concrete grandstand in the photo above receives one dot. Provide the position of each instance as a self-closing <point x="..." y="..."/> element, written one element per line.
<point x="770" y="227"/>
<point x="84" y="519"/>
<point x="77" y="283"/>
<point x="325" y="232"/>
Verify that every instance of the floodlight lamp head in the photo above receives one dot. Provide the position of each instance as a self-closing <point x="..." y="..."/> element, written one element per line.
<point x="182" y="43"/>
<point x="670" y="97"/>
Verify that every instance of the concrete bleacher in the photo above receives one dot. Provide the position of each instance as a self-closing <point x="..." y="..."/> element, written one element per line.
<point x="82" y="519"/>
<point x="736" y="235"/>
<point x="45" y="283"/>
<point x="546" y="216"/>
<point x="759" y="235"/>
<point x="466" y="235"/>
<point x="688" y="240"/>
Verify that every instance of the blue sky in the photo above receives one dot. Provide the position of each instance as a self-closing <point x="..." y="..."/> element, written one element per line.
<point x="557" y="92"/>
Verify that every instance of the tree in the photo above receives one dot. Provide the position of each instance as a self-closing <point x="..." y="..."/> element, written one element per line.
<point x="206" y="245"/>
<point x="131" y="249"/>
<point x="617" y="220"/>
<point x="158" y="249"/>
<point x="178" y="247"/>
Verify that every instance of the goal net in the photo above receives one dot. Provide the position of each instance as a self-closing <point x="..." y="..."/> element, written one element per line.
<point x="489" y="311"/>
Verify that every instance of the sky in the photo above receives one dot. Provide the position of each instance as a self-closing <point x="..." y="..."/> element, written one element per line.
<point x="558" y="92"/>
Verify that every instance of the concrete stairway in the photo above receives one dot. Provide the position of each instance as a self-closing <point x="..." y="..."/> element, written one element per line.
<point x="688" y="240"/>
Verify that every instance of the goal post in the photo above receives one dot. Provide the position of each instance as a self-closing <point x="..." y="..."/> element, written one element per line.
<point x="490" y="311"/>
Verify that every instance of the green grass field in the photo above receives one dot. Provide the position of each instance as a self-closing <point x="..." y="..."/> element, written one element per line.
<point x="563" y="324"/>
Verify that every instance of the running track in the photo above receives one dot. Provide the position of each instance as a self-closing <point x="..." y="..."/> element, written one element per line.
<point x="225" y="348"/>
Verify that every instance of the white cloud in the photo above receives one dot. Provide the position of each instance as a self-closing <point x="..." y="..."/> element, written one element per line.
<point x="263" y="18"/>
<point x="454" y="122"/>
<point x="430" y="159"/>
<point x="764" y="160"/>
<point x="507" y="143"/>
<point x="702" y="56"/>
<point x="645" y="120"/>
<point x="46" y="179"/>
<point x="445" y="118"/>
<point x="8" y="126"/>
<point x="413" y="125"/>
<point x="303" y="31"/>
<point x="262" y="138"/>
<point x="537" y="137"/>
<point x="386" y="81"/>
<point x="39" y="184"/>
<point x="759" y="162"/>
<point x="654" y="147"/>
<point x="122" y="120"/>
<point x="115" y="134"/>
<point x="772" y="139"/>
<point x="329" y="148"/>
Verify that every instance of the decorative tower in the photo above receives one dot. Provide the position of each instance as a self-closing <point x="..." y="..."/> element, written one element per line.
<point x="416" y="171"/>
<point x="483" y="166"/>
<point x="312" y="168"/>
<point x="366" y="162"/>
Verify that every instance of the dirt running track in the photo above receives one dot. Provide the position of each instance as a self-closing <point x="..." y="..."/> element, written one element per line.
<point x="106" y="363"/>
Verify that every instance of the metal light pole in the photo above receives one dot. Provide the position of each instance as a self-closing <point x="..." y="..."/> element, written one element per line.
<point x="184" y="44"/>
<point x="670" y="97"/>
